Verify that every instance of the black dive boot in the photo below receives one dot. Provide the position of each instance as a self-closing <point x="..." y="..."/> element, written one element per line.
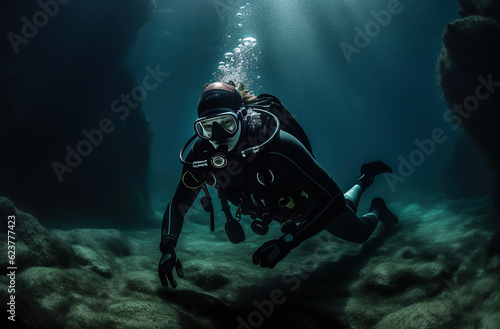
<point x="370" y="170"/>
<point x="385" y="215"/>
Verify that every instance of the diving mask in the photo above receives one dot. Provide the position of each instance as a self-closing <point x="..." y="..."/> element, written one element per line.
<point x="222" y="126"/>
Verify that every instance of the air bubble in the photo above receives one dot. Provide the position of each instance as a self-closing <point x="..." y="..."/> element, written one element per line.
<point x="241" y="63"/>
<point x="249" y="42"/>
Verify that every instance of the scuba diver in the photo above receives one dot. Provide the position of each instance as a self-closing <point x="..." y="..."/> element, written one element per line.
<point x="258" y="158"/>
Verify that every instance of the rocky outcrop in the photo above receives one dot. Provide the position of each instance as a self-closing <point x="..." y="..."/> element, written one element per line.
<point x="469" y="77"/>
<point x="32" y="244"/>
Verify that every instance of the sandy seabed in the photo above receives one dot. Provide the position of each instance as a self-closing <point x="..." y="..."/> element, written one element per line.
<point x="431" y="271"/>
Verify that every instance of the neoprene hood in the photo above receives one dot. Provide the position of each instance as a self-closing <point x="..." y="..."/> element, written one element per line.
<point x="219" y="97"/>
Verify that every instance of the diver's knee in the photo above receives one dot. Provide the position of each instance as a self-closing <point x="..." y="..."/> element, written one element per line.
<point x="351" y="205"/>
<point x="340" y="204"/>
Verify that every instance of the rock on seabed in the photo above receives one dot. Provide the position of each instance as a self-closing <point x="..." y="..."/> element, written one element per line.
<point x="430" y="272"/>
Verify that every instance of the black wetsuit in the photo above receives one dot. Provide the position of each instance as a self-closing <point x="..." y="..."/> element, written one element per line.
<point x="275" y="181"/>
<point x="270" y="174"/>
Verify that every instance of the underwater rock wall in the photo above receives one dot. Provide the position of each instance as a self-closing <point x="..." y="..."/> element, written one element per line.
<point x="67" y="149"/>
<point x="458" y="178"/>
<point x="469" y="77"/>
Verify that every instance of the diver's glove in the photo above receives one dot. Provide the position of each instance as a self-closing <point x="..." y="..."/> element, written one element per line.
<point x="166" y="266"/>
<point x="274" y="251"/>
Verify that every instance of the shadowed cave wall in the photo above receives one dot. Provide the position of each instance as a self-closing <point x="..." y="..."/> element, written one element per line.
<point x="65" y="151"/>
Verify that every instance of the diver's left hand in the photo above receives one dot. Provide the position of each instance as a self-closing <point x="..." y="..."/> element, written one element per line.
<point x="168" y="262"/>
<point x="272" y="252"/>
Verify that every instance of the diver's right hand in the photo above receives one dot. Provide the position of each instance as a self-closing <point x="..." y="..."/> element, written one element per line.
<point x="167" y="263"/>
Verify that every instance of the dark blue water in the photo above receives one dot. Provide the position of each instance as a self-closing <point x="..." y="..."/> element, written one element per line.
<point x="359" y="76"/>
<point x="370" y="100"/>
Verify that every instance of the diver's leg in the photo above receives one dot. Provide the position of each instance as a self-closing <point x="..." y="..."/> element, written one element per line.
<point x="353" y="196"/>
<point x="352" y="228"/>
<point x="379" y="208"/>
<point x="348" y="225"/>
<point x="368" y="173"/>
<point x="356" y="229"/>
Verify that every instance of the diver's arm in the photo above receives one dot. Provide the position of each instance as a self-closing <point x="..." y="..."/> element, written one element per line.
<point x="297" y="164"/>
<point x="175" y="212"/>
<point x="171" y="228"/>
<point x="293" y="160"/>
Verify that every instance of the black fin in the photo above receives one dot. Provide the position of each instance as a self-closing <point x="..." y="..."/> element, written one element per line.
<point x="375" y="168"/>
<point x="385" y="215"/>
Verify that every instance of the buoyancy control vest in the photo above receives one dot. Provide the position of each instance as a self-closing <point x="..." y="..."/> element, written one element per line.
<point x="265" y="107"/>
